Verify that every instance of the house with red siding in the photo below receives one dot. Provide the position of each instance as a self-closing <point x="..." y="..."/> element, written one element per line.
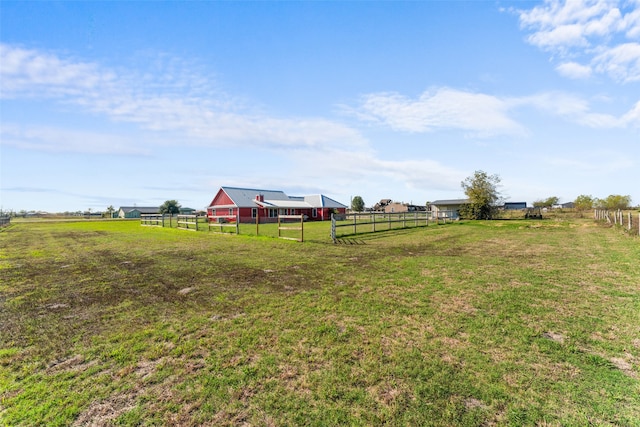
<point x="249" y="205"/>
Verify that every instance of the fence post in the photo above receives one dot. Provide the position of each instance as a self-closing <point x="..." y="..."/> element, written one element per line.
<point x="373" y="215"/>
<point x="302" y="228"/>
<point x="333" y="228"/>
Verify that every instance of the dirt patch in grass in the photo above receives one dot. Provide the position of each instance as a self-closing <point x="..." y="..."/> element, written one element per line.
<point x="76" y="363"/>
<point x="471" y="403"/>
<point x="390" y="394"/>
<point x="553" y="336"/>
<point x="105" y="412"/>
<point x="625" y="365"/>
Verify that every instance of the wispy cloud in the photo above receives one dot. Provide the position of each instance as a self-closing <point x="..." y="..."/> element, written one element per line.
<point x="42" y="138"/>
<point x="594" y="163"/>
<point x="26" y="72"/>
<point x="602" y="33"/>
<point x="31" y="190"/>
<point x="480" y="115"/>
<point x="620" y="62"/>
<point x="159" y="104"/>
<point x="633" y="116"/>
<point x="444" y="108"/>
<point x="573" y="109"/>
<point x="367" y="167"/>
<point x="573" y="70"/>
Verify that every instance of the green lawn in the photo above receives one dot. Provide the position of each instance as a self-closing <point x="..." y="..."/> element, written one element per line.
<point x="471" y="323"/>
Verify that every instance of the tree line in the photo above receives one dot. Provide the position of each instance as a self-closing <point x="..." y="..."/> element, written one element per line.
<point x="586" y="201"/>
<point x="485" y="199"/>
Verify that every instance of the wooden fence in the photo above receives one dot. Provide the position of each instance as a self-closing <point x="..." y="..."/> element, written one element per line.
<point x="371" y="222"/>
<point x="187" y="222"/>
<point x="282" y="221"/>
<point x="627" y="220"/>
<point x="152" y="220"/>
<point x="224" y="221"/>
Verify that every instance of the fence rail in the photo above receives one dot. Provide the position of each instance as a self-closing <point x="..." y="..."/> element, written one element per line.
<point x="224" y="221"/>
<point x="187" y="222"/>
<point x="371" y="222"/>
<point x="282" y="220"/>
<point x="152" y="220"/>
<point x="627" y="220"/>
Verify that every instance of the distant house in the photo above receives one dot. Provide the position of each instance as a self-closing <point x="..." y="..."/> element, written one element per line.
<point x="447" y="208"/>
<point x="136" y="211"/>
<point x="515" y="206"/>
<point x="247" y="204"/>
<point x="395" y="207"/>
<point x="187" y="211"/>
<point x="379" y="207"/>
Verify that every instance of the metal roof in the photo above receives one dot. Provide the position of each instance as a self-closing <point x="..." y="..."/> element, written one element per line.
<point x="322" y="201"/>
<point x="141" y="209"/>
<point x="246" y="198"/>
<point x="450" y="202"/>
<point x="296" y="204"/>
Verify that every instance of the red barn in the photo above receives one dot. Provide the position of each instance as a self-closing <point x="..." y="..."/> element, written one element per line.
<point x="248" y="204"/>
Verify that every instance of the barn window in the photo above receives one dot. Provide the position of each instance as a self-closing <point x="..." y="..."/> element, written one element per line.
<point x="314" y="212"/>
<point x="230" y="211"/>
<point x="254" y="212"/>
<point x="273" y="213"/>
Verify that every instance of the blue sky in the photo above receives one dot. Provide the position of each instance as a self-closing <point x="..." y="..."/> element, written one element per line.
<point x="123" y="103"/>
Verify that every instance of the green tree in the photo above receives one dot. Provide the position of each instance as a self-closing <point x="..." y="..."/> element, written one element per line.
<point x="170" y="207"/>
<point x="482" y="191"/>
<point x="357" y="204"/>
<point x="548" y="202"/>
<point x="584" y="202"/>
<point x="616" y="201"/>
<point x="110" y="211"/>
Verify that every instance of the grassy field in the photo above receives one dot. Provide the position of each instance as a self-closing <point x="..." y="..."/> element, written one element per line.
<point x="472" y="323"/>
